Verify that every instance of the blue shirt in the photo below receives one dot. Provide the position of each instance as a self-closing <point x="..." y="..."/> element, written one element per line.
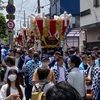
<point x="27" y="58"/>
<point x="3" y="53"/>
<point x="81" y="66"/>
<point x="30" y="67"/>
<point x="97" y="62"/>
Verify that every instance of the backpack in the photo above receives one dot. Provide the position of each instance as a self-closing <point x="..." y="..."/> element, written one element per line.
<point x="39" y="94"/>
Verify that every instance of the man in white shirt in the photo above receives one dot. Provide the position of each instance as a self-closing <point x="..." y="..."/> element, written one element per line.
<point x="10" y="64"/>
<point x="60" y="70"/>
<point x="76" y="77"/>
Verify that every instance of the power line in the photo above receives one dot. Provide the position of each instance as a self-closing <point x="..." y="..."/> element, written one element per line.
<point x="20" y="8"/>
<point x="42" y="7"/>
<point x="23" y="6"/>
<point x="26" y="4"/>
<point x="21" y="3"/>
<point x="19" y="16"/>
<point x="63" y="9"/>
<point x="34" y="6"/>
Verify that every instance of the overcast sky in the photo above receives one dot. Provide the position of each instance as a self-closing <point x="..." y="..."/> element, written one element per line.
<point x="30" y="6"/>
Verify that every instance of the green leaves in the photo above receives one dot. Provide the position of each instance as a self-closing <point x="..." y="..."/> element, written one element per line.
<point x="2" y="26"/>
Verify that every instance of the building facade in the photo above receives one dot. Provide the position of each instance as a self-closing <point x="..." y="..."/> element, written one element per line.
<point x="90" y="21"/>
<point x="57" y="7"/>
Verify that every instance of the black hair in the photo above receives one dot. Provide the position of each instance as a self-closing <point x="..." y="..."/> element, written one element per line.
<point x="71" y="52"/>
<point x="77" y="49"/>
<point x="73" y="47"/>
<point x="83" y="53"/>
<point x="59" y="57"/>
<point x="76" y="60"/>
<point x="36" y="55"/>
<point x="66" y="52"/>
<point x="95" y="55"/>
<point x="19" y="52"/>
<point x="92" y="57"/>
<point x="13" y="71"/>
<point x="98" y="53"/>
<point x="10" y="59"/>
<point x="83" y="57"/>
<point x="43" y="73"/>
<point x="88" y="53"/>
<point x="62" y="91"/>
<point x="11" y="50"/>
<point x="30" y="50"/>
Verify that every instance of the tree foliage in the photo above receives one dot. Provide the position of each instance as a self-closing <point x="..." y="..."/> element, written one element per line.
<point x="2" y="26"/>
<point x="0" y="0"/>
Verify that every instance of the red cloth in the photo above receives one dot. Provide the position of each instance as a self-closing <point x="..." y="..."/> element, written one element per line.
<point x="52" y="27"/>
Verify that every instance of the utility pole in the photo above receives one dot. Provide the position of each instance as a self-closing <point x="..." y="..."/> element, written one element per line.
<point x="11" y="32"/>
<point x="10" y="2"/>
<point x="24" y="20"/>
<point x="27" y="22"/>
<point x="20" y="24"/>
<point x="38" y="1"/>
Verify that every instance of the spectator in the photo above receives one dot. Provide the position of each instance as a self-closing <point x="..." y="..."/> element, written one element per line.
<point x="71" y="52"/>
<point x="60" y="70"/>
<point x="30" y="55"/>
<point x="95" y="49"/>
<point x="55" y="56"/>
<point x="43" y="74"/>
<point x="66" y="57"/>
<point x="29" y="69"/>
<point x="19" y="58"/>
<point x="10" y="64"/>
<point x="95" y="55"/>
<point x="91" y="72"/>
<point x="84" y="49"/>
<point x="3" y="53"/>
<point x="97" y="62"/>
<point x="45" y="63"/>
<point x="77" y="52"/>
<point x="62" y="91"/>
<point x="12" y="90"/>
<point x="84" y="65"/>
<point x="96" y="86"/>
<point x="10" y="53"/>
<point x="77" y="78"/>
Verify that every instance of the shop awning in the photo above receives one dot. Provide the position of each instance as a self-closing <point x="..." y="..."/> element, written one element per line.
<point x="74" y="33"/>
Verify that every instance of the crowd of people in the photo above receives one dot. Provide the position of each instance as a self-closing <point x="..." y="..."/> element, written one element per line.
<point x="71" y="75"/>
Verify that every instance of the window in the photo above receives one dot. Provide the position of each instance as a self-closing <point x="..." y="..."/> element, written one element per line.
<point x="86" y="12"/>
<point x="96" y="3"/>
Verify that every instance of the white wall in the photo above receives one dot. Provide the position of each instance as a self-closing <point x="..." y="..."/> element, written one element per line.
<point x="81" y="39"/>
<point x="94" y="17"/>
<point x="92" y="34"/>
